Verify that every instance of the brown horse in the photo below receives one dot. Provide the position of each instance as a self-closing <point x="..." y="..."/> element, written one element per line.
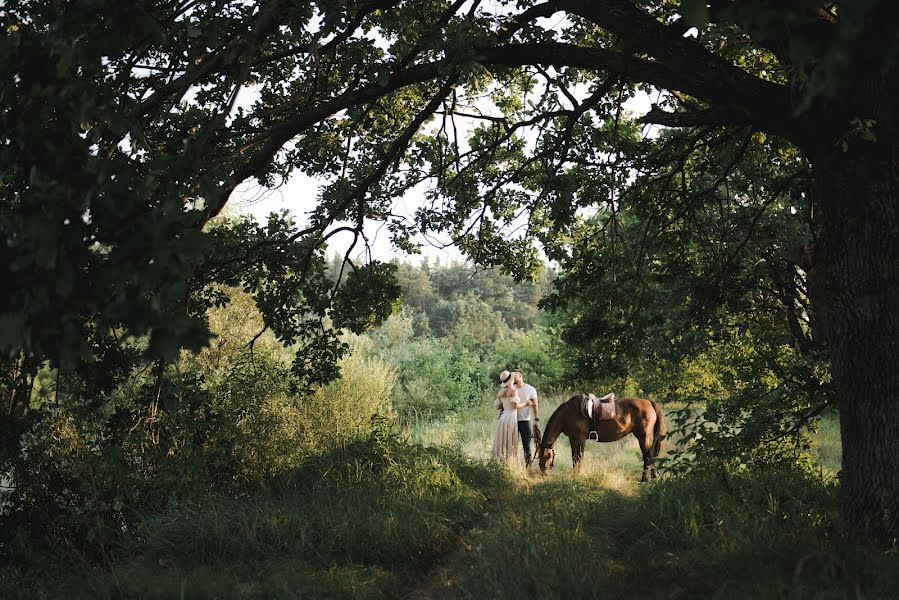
<point x="643" y="418"/>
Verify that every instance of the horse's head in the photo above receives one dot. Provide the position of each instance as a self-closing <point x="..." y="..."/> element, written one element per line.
<point x="547" y="458"/>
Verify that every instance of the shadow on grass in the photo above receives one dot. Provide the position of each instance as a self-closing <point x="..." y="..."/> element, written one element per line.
<point x="382" y="517"/>
<point x="758" y="535"/>
<point x="362" y="521"/>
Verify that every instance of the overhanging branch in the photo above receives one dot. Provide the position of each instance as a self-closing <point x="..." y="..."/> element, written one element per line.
<point x="699" y="72"/>
<point x="713" y="117"/>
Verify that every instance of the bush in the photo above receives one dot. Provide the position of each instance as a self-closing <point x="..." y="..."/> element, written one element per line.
<point x="360" y="520"/>
<point x="341" y="411"/>
<point x="439" y="377"/>
<point x="540" y="356"/>
<point x="93" y="466"/>
<point x="434" y="377"/>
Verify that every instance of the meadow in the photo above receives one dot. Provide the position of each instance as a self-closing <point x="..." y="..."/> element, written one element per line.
<point x="418" y="512"/>
<point x="379" y="485"/>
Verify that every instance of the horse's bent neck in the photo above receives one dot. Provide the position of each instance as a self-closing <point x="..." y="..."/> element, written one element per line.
<point x="554" y="427"/>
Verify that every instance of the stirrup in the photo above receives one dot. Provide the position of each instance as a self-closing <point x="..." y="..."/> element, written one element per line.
<point x="593" y="436"/>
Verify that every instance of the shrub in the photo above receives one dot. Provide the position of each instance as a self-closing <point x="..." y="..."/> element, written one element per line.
<point x="227" y="422"/>
<point x="343" y="409"/>
<point x="540" y="356"/>
<point x="434" y="377"/>
<point x="360" y="520"/>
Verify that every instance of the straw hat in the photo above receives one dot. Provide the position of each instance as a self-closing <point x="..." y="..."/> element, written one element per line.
<point x="505" y="379"/>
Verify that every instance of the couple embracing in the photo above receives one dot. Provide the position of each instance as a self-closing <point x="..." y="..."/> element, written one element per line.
<point x="515" y="402"/>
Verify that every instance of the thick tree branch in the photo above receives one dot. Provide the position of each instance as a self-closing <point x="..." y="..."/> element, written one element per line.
<point x="764" y="102"/>
<point x="712" y="117"/>
<point x="699" y="72"/>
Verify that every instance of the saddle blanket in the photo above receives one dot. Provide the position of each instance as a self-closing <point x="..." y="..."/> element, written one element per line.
<point x="604" y="407"/>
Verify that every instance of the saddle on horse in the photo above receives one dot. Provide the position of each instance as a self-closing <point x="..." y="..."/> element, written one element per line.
<point x="597" y="409"/>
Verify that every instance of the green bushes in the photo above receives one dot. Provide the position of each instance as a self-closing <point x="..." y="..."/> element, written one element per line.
<point x="341" y="411"/>
<point x="436" y="377"/>
<point x="360" y="520"/>
<point x="94" y="465"/>
<point x="539" y="354"/>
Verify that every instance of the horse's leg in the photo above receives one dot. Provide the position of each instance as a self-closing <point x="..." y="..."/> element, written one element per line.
<point x="577" y="453"/>
<point x="646" y="449"/>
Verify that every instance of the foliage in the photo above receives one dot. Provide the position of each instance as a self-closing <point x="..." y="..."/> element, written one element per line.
<point x="342" y="411"/>
<point x="538" y="353"/>
<point x="709" y="307"/>
<point x="444" y="295"/>
<point x="356" y="520"/>
<point x="95" y="464"/>
<point x="437" y="377"/>
<point x="434" y="376"/>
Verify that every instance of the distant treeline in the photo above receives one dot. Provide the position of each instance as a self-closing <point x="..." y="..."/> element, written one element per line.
<point x="445" y="297"/>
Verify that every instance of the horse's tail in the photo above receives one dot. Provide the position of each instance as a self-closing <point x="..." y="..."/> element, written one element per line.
<point x="658" y="432"/>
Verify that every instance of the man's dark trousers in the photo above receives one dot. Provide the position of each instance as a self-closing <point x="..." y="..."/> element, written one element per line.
<point x="524" y="428"/>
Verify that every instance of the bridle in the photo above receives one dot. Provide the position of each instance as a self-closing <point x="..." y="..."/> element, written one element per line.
<point x="543" y="449"/>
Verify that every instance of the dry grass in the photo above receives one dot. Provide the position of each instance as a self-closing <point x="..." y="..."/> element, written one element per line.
<point x="617" y="464"/>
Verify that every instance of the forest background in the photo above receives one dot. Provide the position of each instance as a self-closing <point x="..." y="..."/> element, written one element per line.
<point x="376" y="485"/>
<point x="197" y="404"/>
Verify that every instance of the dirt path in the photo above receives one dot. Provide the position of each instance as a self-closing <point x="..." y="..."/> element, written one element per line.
<point x="534" y="527"/>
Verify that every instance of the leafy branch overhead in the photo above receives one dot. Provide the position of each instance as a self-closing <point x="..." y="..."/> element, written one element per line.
<point x="128" y="126"/>
<point x="127" y="136"/>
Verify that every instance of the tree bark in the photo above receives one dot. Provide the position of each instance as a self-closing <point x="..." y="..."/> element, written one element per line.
<point x="855" y="289"/>
<point x="16" y="384"/>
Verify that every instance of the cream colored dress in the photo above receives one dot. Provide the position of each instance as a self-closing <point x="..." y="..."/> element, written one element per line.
<point x="505" y="440"/>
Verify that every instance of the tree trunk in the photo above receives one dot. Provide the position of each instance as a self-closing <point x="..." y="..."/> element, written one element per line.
<point x="855" y="289"/>
<point x="17" y="377"/>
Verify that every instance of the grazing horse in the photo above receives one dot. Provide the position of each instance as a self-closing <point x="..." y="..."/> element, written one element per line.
<point x="643" y="418"/>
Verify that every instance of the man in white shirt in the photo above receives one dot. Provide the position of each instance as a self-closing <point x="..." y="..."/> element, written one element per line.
<point x="525" y="392"/>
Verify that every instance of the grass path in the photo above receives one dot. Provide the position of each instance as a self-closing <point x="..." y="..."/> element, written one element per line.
<point x="380" y="517"/>
<point x="517" y="543"/>
<point x="601" y="534"/>
<point x="509" y="552"/>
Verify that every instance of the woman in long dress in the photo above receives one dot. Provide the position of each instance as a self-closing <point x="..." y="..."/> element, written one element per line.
<point x="505" y="440"/>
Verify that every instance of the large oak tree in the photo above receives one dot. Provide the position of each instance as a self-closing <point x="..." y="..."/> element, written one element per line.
<point x="125" y="133"/>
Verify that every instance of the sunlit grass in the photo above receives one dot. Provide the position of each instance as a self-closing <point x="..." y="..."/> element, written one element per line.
<point x="619" y="464"/>
<point x="826" y="446"/>
<point x="600" y="534"/>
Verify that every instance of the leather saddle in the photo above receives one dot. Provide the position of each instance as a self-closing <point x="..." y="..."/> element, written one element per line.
<point x="597" y="409"/>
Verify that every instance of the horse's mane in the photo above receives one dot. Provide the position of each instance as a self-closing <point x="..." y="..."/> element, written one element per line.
<point x="548" y="432"/>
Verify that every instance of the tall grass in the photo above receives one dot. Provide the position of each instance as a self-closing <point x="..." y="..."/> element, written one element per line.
<point x="712" y="534"/>
<point x="365" y="511"/>
<point x="826" y="446"/>
<point x="361" y="520"/>
<point x="758" y="535"/>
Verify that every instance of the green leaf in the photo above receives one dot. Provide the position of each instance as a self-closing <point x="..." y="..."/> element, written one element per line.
<point x="12" y="330"/>
<point x="696" y="12"/>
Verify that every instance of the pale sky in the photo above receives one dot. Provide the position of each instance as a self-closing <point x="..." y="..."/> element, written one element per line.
<point x="299" y="194"/>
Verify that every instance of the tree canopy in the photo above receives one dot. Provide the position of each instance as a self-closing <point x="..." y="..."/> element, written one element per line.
<point x="125" y="136"/>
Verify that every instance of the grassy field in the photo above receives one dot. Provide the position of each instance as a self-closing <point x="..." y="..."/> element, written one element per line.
<point x="602" y="534"/>
<point x="422" y="515"/>
<point x="473" y="432"/>
<point x="826" y="442"/>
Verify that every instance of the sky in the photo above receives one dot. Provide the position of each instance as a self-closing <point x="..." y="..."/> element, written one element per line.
<point x="298" y="195"/>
